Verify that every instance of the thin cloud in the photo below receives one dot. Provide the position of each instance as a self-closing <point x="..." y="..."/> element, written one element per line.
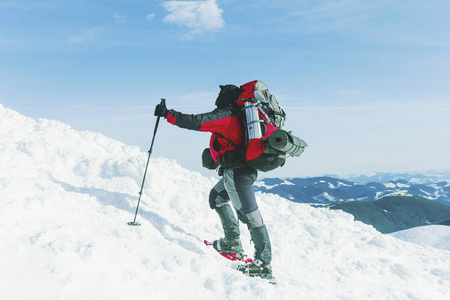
<point x="197" y="16"/>
<point x="119" y="19"/>
<point x="327" y="15"/>
<point x="332" y="9"/>
<point x="150" y="17"/>
<point x="86" y="36"/>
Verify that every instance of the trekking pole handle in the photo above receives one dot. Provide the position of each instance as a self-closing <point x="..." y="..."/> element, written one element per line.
<point x="163" y="102"/>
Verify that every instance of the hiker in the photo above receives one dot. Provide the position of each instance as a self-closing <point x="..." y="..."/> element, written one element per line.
<point x="228" y="134"/>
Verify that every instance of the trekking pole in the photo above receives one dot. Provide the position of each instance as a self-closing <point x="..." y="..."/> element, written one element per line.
<point x="134" y="223"/>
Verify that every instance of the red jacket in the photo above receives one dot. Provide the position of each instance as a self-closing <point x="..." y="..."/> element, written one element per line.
<point x="224" y="123"/>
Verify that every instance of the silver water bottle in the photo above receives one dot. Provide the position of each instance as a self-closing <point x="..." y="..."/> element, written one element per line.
<point x="253" y="122"/>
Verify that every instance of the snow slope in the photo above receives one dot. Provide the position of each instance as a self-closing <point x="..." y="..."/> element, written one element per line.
<point x="66" y="196"/>
<point x="437" y="236"/>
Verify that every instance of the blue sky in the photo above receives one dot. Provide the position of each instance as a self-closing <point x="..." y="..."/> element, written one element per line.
<point x="365" y="83"/>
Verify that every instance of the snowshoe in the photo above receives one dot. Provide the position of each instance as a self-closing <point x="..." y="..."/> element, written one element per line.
<point x="257" y="269"/>
<point x="231" y="255"/>
<point x="225" y="245"/>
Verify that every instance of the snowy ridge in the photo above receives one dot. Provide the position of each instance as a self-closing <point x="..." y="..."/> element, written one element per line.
<point x="396" y="193"/>
<point x="324" y="190"/>
<point x="414" y="178"/>
<point x="65" y="198"/>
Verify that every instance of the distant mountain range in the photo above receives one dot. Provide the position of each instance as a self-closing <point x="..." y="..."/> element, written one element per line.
<point x="389" y="202"/>
<point x="394" y="213"/>
<point x="414" y="178"/>
<point x="326" y="190"/>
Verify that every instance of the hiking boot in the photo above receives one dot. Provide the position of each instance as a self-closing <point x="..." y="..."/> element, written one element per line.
<point x="225" y="245"/>
<point x="257" y="269"/>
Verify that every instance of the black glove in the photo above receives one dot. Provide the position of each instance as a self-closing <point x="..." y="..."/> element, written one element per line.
<point x="161" y="110"/>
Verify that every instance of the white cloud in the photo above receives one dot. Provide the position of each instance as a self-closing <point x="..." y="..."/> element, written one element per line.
<point x="86" y="36"/>
<point x="198" y="16"/>
<point x="119" y="19"/>
<point x="150" y="17"/>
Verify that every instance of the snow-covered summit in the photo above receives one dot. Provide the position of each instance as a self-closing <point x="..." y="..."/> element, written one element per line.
<point x="66" y="196"/>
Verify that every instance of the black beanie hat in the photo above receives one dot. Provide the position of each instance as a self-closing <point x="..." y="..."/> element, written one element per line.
<point x="228" y="95"/>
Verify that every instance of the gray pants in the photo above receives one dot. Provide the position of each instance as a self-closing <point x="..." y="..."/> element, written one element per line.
<point x="236" y="186"/>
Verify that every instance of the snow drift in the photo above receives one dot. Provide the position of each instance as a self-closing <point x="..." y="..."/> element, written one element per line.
<point x="66" y="196"/>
